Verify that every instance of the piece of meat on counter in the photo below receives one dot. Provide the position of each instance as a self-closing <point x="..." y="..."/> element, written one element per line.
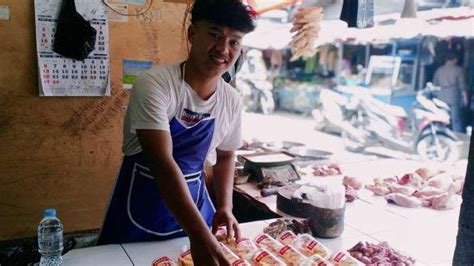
<point x="428" y="192"/>
<point x="378" y="190"/>
<point x="351" y="194"/>
<point x="327" y="170"/>
<point x="458" y="170"/>
<point x="444" y="201"/>
<point x="411" y="179"/>
<point x="403" y="200"/>
<point x="298" y="226"/>
<point x="352" y="182"/>
<point x="442" y="181"/>
<point x="379" y="254"/>
<point x="429" y="171"/>
<point x="456" y="187"/>
<point x="405" y="190"/>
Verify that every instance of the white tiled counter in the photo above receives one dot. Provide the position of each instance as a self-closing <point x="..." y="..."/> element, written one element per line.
<point x="145" y="252"/>
<point x="100" y="255"/>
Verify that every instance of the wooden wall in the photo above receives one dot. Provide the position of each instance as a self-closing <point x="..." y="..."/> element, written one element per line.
<point x="64" y="152"/>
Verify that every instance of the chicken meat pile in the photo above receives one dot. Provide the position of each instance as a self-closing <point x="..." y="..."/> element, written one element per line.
<point x="434" y="186"/>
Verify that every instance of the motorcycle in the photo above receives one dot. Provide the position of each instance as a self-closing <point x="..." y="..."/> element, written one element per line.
<point x="431" y="118"/>
<point x="257" y="95"/>
<point x="364" y="121"/>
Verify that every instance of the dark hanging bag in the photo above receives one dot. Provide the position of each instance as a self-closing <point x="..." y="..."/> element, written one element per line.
<point x="75" y="37"/>
<point x="358" y="13"/>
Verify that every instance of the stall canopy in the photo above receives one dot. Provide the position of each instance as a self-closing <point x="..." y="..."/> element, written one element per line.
<point x="447" y="22"/>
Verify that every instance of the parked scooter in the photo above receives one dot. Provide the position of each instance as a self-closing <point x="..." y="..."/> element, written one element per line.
<point x="364" y="121"/>
<point x="254" y="84"/>
<point x="431" y="118"/>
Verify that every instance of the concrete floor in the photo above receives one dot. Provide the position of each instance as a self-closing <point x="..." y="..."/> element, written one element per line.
<point x="283" y="126"/>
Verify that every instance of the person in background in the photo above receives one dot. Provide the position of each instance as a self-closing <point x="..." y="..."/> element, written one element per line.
<point x="181" y="117"/>
<point x="450" y="77"/>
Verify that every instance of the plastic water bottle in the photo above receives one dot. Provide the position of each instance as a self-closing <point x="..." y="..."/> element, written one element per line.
<point x="50" y="239"/>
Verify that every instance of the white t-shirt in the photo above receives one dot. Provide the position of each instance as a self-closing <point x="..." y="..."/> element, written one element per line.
<point x="160" y="94"/>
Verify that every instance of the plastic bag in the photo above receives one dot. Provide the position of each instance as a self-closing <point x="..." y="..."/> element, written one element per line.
<point x="75" y="37"/>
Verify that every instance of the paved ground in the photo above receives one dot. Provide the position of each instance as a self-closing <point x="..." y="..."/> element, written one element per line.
<point x="282" y="126"/>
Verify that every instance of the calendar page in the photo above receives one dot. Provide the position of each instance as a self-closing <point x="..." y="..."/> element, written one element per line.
<point x="60" y="76"/>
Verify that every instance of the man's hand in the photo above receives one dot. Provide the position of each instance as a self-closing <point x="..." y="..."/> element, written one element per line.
<point x="227" y="219"/>
<point x="207" y="251"/>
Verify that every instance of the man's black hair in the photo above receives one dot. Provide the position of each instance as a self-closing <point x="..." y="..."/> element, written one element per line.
<point x="451" y="56"/>
<point x="229" y="13"/>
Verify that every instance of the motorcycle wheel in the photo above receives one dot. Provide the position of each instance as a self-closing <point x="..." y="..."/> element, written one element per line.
<point x="446" y="151"/>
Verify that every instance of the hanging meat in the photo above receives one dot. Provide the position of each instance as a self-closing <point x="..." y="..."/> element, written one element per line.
<point x="306" y="25"/>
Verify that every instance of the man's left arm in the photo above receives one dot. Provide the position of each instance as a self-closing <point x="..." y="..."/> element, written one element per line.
<point x="223" y="172"/>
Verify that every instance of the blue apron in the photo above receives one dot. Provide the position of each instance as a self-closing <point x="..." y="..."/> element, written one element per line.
<point x="136" y="211"/>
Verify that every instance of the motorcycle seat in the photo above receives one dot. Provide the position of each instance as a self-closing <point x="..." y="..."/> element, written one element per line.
<point x="390" y="109"/>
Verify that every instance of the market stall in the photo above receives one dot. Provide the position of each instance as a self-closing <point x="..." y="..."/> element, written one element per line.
<point x="413" y="41"/>
<point x="412" y="229"/>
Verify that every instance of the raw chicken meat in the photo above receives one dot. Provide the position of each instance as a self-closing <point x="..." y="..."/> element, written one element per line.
<point x="403" y="200"/>
<point x="412" y="179"/>
<point x="326" y="170"/>
<point x="405" y="190"/>
<point x="428" y="192"/>
<point x="435" y="186"/>
<point x="351" y="194"/>
<point x="429" y="171"/>
<point x="352" y="182"/>
<point x="444" y="201"/>
<point x="378" y="190"/>
<point x="442" y="181"/>
<point x="390" y="180"/>
<point x="459" y="170"/>
<point x="456" y="187"/>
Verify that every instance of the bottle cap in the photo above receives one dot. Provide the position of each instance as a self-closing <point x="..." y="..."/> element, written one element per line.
<point x="49" y="212"/>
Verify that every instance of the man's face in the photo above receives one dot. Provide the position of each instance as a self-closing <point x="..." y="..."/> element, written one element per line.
<point x="214" y="48"/>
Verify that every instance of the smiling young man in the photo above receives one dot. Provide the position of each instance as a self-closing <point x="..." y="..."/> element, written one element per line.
<point x="181" y="117"/>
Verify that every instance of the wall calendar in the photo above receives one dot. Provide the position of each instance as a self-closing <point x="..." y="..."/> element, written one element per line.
<point x="60" y="76"/>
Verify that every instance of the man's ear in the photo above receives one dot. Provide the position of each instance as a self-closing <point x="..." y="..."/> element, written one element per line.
<point x="191" y="33"/>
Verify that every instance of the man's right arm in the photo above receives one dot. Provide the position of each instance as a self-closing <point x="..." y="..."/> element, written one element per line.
<point x="157" y="147"/>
